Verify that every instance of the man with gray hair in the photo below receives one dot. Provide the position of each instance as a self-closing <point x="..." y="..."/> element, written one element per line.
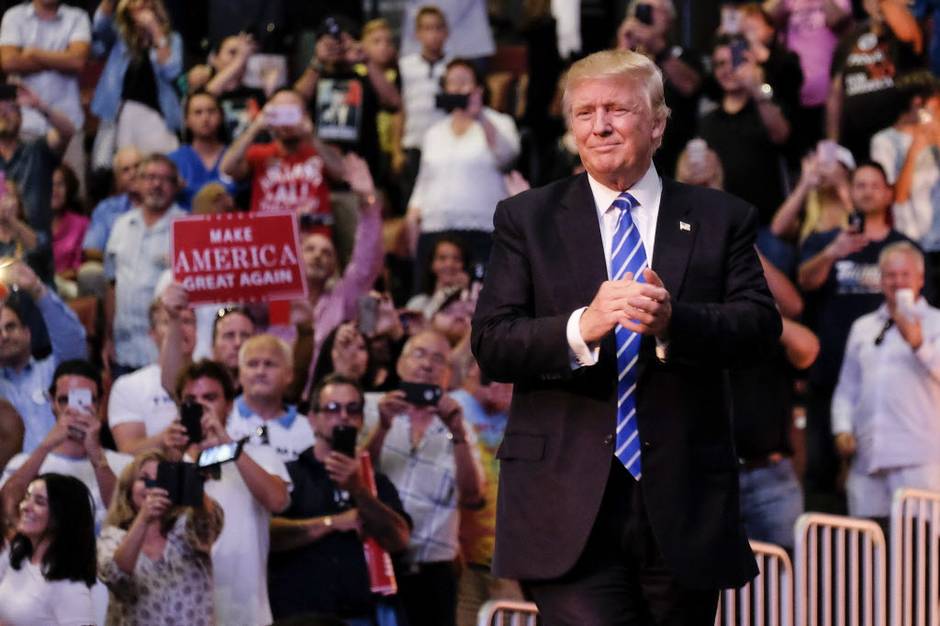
<point x="617" y="301"/>
<point x="886" y="407"/>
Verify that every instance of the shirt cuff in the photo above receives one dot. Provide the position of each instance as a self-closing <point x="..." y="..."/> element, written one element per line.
<point x="581" y="355"/>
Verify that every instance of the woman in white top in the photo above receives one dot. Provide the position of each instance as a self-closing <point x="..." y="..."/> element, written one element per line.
<point x="48" y="568"/>
<point x="460" y="179"/>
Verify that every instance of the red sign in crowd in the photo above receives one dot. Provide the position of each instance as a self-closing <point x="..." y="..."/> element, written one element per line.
<point x="238" y="257"/>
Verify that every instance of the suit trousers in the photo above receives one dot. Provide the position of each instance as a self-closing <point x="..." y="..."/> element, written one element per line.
<point x="621" y="579"/>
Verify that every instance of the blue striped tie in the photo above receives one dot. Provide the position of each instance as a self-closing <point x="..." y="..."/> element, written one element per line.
<point x="627" y="255"/>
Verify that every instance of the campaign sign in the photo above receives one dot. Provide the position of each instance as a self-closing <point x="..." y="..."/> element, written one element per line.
<point x="238" y="257"/>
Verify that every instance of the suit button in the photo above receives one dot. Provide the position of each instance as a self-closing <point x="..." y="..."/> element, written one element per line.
<point x="647" y="445"/>
<point x="608" y="439"/>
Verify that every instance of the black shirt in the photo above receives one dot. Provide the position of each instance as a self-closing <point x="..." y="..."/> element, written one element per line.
<point x="140" y="82"/>
<point x="868" y="65"/>
<point x="328" y="576"/>
<point x="852" y="289"/>
<point x="751" y="161"/>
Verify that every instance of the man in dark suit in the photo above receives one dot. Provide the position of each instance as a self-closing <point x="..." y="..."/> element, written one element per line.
<point x="618" y="497"/>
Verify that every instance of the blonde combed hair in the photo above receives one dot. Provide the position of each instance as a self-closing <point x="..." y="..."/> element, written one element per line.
<point x="623" y="64"/>
<point x="136" y="41"/>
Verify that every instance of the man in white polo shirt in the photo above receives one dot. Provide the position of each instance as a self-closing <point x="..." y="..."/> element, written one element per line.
<point x="265" y="372"/>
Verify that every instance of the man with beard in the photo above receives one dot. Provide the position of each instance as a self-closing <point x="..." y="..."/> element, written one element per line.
<point x="30" y="164"/>
<point x="288" y="174"/>
<point x="137" y="253"/>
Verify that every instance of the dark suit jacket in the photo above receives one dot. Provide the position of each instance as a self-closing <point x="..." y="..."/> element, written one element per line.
<point x="547" y="261"/>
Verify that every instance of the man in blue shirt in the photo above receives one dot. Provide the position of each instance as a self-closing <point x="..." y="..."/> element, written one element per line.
<point x="24" y="380"/>
<point x="91" y="278"/>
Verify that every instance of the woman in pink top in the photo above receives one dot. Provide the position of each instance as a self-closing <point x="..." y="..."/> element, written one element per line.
<point x="68" y="229"/>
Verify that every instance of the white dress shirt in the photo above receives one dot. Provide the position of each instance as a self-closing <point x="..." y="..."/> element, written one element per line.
<point x="648" y="192"/>
<point x="888" y="396"/>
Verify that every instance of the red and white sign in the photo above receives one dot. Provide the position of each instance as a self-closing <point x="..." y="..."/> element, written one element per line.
<point x="238" y="257"/>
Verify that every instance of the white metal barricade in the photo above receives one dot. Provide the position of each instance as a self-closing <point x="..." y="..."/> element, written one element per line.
<point x="507" y="613"/>
<point x="765" y="601"/>
<point x="841" y="576"/>
<point x="915" y="542"/>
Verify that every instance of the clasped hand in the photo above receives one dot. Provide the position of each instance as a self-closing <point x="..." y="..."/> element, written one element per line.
<point x="643" y="307"/>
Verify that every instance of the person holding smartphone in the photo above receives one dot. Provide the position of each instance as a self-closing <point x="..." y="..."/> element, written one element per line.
<point x="423" y="444"/>
<point x="460" y="178"/>
<point x="886" y="419"/>
<point x="154" y="556"/>
<point x="317" y="563"/>
<point x="249" y="489"/>
<point x="73" y="446"/>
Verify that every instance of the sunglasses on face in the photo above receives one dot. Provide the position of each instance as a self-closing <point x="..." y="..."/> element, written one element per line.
<point x="335" y="408"/>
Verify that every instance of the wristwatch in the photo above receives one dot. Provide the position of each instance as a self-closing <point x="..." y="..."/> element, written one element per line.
<point x="765" y="92"/>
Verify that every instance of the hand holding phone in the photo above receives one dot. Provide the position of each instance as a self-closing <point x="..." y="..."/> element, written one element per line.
<point x="905" y="303"/>
<point x="421" y="394"/>
<point x="191" y="418"/>
<point x="283" y="115"/>
<point x="344" y="440"/>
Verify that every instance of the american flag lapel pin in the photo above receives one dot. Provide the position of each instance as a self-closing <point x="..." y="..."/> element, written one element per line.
<point x="685" y="226"/>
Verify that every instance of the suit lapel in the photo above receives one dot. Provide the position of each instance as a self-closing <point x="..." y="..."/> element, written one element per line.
<point x="675" y="236"/>
<point x="583" y="247"/>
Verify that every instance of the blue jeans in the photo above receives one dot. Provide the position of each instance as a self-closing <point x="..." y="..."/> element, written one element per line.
<point x="771" y="500"/>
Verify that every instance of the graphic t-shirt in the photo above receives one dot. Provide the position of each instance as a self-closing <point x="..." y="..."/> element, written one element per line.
<point x="869" y="64"/>
<point x="287" y="182"/>
<point x="852" y="289"/>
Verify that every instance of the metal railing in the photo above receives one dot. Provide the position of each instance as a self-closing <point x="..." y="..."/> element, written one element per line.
<point x="507" y="613"/>
<point x="841" y="573"/>
<point x="915" y="543"/>
<point x="765" y="601"/>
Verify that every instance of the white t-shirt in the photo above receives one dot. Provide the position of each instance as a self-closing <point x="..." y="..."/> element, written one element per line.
<point x="140" y="397"/>
<point x="79" y="468"/>
<point x="28" y="599"/>
<point x="289" y="434"/>
<point x="240" y="554"/>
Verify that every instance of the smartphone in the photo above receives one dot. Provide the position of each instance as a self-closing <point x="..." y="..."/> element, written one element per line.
<point x="826" y="152"/>
<point x="451" y="101"/>
<point x="697" y="150"/>
<point x="738" y="49"/>
<point x="856" y="222"/>
<point x="730" y="20"/>
<point x="222" y="453"/>
<point x="80" y="399"/>
<point x="368" y="315"/>
<point x="181" y="481"/>
<point x="644" y="13"/>
<point x="344" y="440"/>
<point x="191" y="417"/>
<point x="283" y="115"/>
<point x="421" y="394"/>
<point x="905" y="300"/>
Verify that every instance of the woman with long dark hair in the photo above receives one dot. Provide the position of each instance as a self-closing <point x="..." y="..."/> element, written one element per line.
<point x="48" y="568"/>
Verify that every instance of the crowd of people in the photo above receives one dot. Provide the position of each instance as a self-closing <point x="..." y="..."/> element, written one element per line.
<point x="355" y="419"/>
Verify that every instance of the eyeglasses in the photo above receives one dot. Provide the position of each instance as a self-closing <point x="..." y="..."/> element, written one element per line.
<point x="437" y="358"/>
<point x="335" y="408"/>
